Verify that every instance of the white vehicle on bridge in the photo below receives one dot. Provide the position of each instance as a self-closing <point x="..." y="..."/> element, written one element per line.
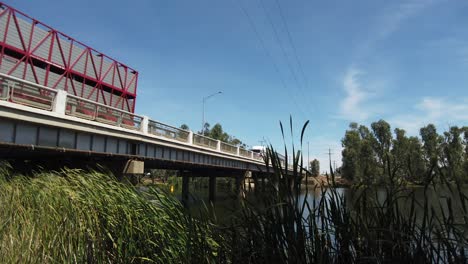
<point x="261" y="152"/>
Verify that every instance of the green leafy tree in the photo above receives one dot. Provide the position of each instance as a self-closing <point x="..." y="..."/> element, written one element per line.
<point x="415" y="168"/>
<point x="383" y="135"/>
<point x="368" y="164"/>
<point x="350" y="154"/>
<point x="431" y="148"/>
<point x="465" y="145"/>
<point x="399" y="154"/>
<point x="206" y="130"/>
<point x="452" y="158"/>
<point x="217" y="133"/>
<point x="184" y="127"/>
<point x="315" y="168"/>
<point x="407" y="157"/>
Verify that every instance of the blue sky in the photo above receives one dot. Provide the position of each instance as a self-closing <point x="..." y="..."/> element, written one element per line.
<point x="403" y="61"/>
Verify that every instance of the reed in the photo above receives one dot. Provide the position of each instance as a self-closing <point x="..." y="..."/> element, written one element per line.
<point x="370" y="228"/>
<point x="74" y="216"/>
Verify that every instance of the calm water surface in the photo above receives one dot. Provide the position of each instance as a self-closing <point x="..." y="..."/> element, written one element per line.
<point x="227" y="203"/>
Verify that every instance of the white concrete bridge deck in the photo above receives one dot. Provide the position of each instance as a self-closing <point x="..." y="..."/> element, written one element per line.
<point x="35" y="116"/>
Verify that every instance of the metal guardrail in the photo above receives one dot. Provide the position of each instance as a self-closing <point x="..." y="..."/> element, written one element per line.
<point x="244" y="153"/>
<point x="205" y="141"/>
<point x="87" y="109"/>
<point x="4" y="89"/>
<point x="27" y="93"/>
<point x="160" y="129"/>
<point x="257" y="156"/>
<point x="228" y="148"/>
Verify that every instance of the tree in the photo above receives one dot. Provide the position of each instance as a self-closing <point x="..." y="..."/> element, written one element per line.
<point x="315" y="167"/>
<point x="184" y="127"/>
<point x="452" y="150"/>
<point x="368" y="165"/>
<point x="415" y="167"/>
<point x="407" y="157"/>
<point x="399" y="153"/>
<point x="431" y="148"/>
<point x="383" y="135"/>
<point x="465" y="145"/>
<point x="206" y="130"/>
<point x="350" y="154"/>
<point x="217" y="133"/>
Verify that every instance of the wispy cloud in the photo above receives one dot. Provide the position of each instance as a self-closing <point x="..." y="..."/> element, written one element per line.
<point x="433" y="110"/>
<point x="356" y="105"/>
<point x="388" y="21"/>
<point x="396" y="15"/>
<point x="351" y="105"/>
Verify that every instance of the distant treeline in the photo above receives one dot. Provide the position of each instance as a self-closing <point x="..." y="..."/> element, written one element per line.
<point x="377" y="156"/>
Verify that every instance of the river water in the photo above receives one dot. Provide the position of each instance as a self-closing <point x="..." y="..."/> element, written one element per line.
<point x="226" y="203"/>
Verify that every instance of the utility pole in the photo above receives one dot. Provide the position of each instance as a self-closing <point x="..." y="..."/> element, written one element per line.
<point x="329" y="156"/>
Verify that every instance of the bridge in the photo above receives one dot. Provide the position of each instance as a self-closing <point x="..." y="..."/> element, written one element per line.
<point x="63" y="103"/>
<point x="59" y="129"/>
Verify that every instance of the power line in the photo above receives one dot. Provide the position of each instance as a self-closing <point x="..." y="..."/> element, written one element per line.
<point x="304" y="76"/>
<point x="285" y="54"/>
<point x="275" y="66"/>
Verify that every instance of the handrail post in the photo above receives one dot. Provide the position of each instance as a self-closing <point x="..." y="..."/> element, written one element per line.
<point x="60" y="102"/>
<point x="144" y="125"/>
<point x="218" y="145"/>
<point x="190" y="138"/>
<point x="238" y="151"/>
<point x="251" y="154"/>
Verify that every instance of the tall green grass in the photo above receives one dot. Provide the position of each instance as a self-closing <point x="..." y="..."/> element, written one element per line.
<point x="74" y="216"/>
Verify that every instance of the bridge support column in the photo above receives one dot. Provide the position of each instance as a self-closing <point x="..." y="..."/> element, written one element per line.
<point x="239" y="184"/>
<point x="60" y="102"/>
<point x="263" y="183"/>
<point x="212" y="188"/>
<point x="185" y="188"/>
<point x="190" y="138"/>
<point x="144" y="125"/>
<point x="218" y="145"/>
<point x="132" y="171"/>
<point x="256" y="182"/>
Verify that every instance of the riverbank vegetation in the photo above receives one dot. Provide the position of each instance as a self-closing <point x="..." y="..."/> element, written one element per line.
<point x="73" y="216"/>
<point x="376" y="156"/>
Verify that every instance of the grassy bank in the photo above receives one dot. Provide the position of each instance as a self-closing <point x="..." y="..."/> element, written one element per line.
<point x="86" y="217"/>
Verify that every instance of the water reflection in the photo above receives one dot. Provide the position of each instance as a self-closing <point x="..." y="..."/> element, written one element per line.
<point x="227" y="203"/>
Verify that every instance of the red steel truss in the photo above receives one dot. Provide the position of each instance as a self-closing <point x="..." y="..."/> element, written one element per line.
<point x="38" y="53"/>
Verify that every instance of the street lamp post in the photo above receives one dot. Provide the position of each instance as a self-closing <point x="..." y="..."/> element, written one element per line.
<point x="308" y="157"/>
<point x="203" y="110"/>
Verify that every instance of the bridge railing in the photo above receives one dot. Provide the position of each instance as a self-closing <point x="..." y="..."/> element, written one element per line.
<point x="205" y="141"/>
<point x="26" y="93"/>
<point x="160" y="129"/>
<point x="244" y="153"/>
<point x="257" y="156"/>
<point x="225" y="147"/>
<point x="23" y="92"/>
<point x="87" y="109"/>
